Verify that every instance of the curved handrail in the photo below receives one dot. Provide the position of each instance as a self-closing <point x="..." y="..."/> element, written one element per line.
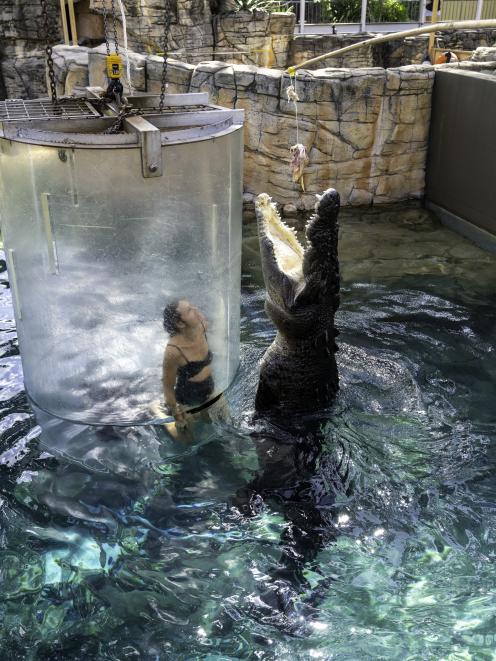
<point x="435" y="27"/>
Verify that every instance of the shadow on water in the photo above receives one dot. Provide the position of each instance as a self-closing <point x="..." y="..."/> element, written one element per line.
<point x="369" y="535"/>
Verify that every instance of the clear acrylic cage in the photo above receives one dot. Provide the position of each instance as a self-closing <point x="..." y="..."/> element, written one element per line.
<point x="102" y="229"/>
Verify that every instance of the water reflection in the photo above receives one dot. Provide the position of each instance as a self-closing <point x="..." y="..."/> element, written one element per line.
<point x="298" y="475"/>
<point x="375" y="542"/>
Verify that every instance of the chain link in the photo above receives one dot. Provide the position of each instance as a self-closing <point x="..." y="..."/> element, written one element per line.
<point x="125" y="111"/>
<point x="49" y="51"/>
<point x="115" y="88"/>
<point x="165" y="48"/>
<point x="117" y="125"/>
<point x="105" y="25"/>
<point x="114" y="26"/>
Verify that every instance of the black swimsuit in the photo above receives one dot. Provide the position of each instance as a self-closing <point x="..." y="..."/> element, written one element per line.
<point x="193" y="392"/>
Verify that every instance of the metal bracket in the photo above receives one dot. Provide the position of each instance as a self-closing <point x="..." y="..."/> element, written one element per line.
<point x="150" y="142"/>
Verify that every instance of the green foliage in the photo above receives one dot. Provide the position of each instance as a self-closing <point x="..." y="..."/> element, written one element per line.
<point x="336" y="11"/>
<point x="387" y="10"/>
<point x="252" y="5"/>
<point x="281" y="7"/>
<point x="349" y="11"/>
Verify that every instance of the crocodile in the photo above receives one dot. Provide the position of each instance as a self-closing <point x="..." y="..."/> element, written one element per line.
<point x="298" y="372"/>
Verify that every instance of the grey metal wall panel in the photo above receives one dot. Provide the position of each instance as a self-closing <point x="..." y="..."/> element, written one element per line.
<point x="461" y="166"/>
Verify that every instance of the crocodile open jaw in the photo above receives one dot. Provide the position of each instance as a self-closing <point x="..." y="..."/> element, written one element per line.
<point x="287" y="250"/>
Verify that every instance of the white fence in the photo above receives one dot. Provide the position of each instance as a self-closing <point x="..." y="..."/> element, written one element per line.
<point x="353" y="16"/>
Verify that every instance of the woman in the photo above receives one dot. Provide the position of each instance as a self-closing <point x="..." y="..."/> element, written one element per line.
<point x="186" y="370"/>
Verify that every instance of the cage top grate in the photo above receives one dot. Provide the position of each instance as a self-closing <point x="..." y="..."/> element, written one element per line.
<point x="73" y="108"/>
<point x="93" y="121"/>
<point x="19" y="109"/>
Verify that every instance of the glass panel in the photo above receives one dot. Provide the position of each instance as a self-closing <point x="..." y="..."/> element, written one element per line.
<point x="99" y="251"/>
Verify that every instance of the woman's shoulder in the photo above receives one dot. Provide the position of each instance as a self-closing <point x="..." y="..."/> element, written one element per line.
<point x="174" y="348"/>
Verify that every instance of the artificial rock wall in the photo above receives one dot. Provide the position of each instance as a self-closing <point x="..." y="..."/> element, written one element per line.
<point x="365" y="130"/>
<point x="195" y="34"/>
<point x="22" y="63"/>
<point x="190" y="25"/>
<point x="306" y="47"/>
<point x="255" y="37"/>
<point x="411" y="50"/>
<point x="22" y="43"/>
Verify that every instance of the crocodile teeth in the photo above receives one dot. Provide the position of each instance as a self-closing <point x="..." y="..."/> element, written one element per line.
<point x="285" y="246"/>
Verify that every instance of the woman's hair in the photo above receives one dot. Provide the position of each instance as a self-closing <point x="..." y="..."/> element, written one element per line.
<point x="171" y="317"/>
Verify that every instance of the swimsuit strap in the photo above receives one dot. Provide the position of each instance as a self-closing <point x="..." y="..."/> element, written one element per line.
<point x="181" y="351"/>
<point x="184" y="355"/>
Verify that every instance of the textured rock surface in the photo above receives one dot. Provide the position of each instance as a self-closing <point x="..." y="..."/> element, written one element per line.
<point x="22" y="61"/>
<point x="365" y="130"/>
<point x="190" y="26"/>
<point x="22" y="43"/>
<point x="195" y="35"/>
<point x="467" y="39"/>
<point x="264" y="39"/>
<point x="305" y="47"/>
<point x="71" y="69"/>
<point x="411" y="50"/>
<point x="191" y="37"/>
<point x="484" y="55"/>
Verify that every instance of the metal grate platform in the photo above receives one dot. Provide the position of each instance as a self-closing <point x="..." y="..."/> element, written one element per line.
<point x="94" y="121"/>
<point x="19" y="109"/>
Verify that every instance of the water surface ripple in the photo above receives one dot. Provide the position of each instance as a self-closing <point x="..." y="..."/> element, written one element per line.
<point x="375" y="542"/>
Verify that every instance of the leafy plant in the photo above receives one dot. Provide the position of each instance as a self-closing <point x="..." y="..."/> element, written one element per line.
<point x="252" y="5"/>
<point x="387" y="10"/>
<point x="349" y="11"/>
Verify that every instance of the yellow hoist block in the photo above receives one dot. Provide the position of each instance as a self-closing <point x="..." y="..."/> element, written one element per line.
<point x="114" y="66"/>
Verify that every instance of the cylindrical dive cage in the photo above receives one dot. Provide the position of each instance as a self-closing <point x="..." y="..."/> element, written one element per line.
<point x="102" y="229"/>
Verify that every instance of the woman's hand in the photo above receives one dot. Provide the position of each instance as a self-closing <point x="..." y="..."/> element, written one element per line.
<point x="181" y="422"/>
<point x="179" y="415"/>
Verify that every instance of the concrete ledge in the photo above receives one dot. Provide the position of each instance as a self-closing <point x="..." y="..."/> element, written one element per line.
<point x="479" y="236"/>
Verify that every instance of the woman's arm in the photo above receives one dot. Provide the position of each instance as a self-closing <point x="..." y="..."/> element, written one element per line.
<point x="169" y="377"/>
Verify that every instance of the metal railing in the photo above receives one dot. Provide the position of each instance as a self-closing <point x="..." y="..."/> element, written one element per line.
<point x="327" y="11"/>
<point x="325" y="16"/>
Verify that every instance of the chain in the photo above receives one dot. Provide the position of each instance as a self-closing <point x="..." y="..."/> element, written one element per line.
<point x="165" y="48"/>
<point x="125" y="111"/>
<point x="114" y="26"/>
<point x="49" y="51"/>
<point x="105" y="25"/>
<point x="101" y="105"/>
<point x="117" y="125"/>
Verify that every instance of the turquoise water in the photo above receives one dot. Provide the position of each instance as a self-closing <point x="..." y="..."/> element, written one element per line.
<point x="377" y="543"/>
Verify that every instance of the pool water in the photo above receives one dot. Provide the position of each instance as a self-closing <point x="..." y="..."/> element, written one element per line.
<point x="375" y="540"/>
